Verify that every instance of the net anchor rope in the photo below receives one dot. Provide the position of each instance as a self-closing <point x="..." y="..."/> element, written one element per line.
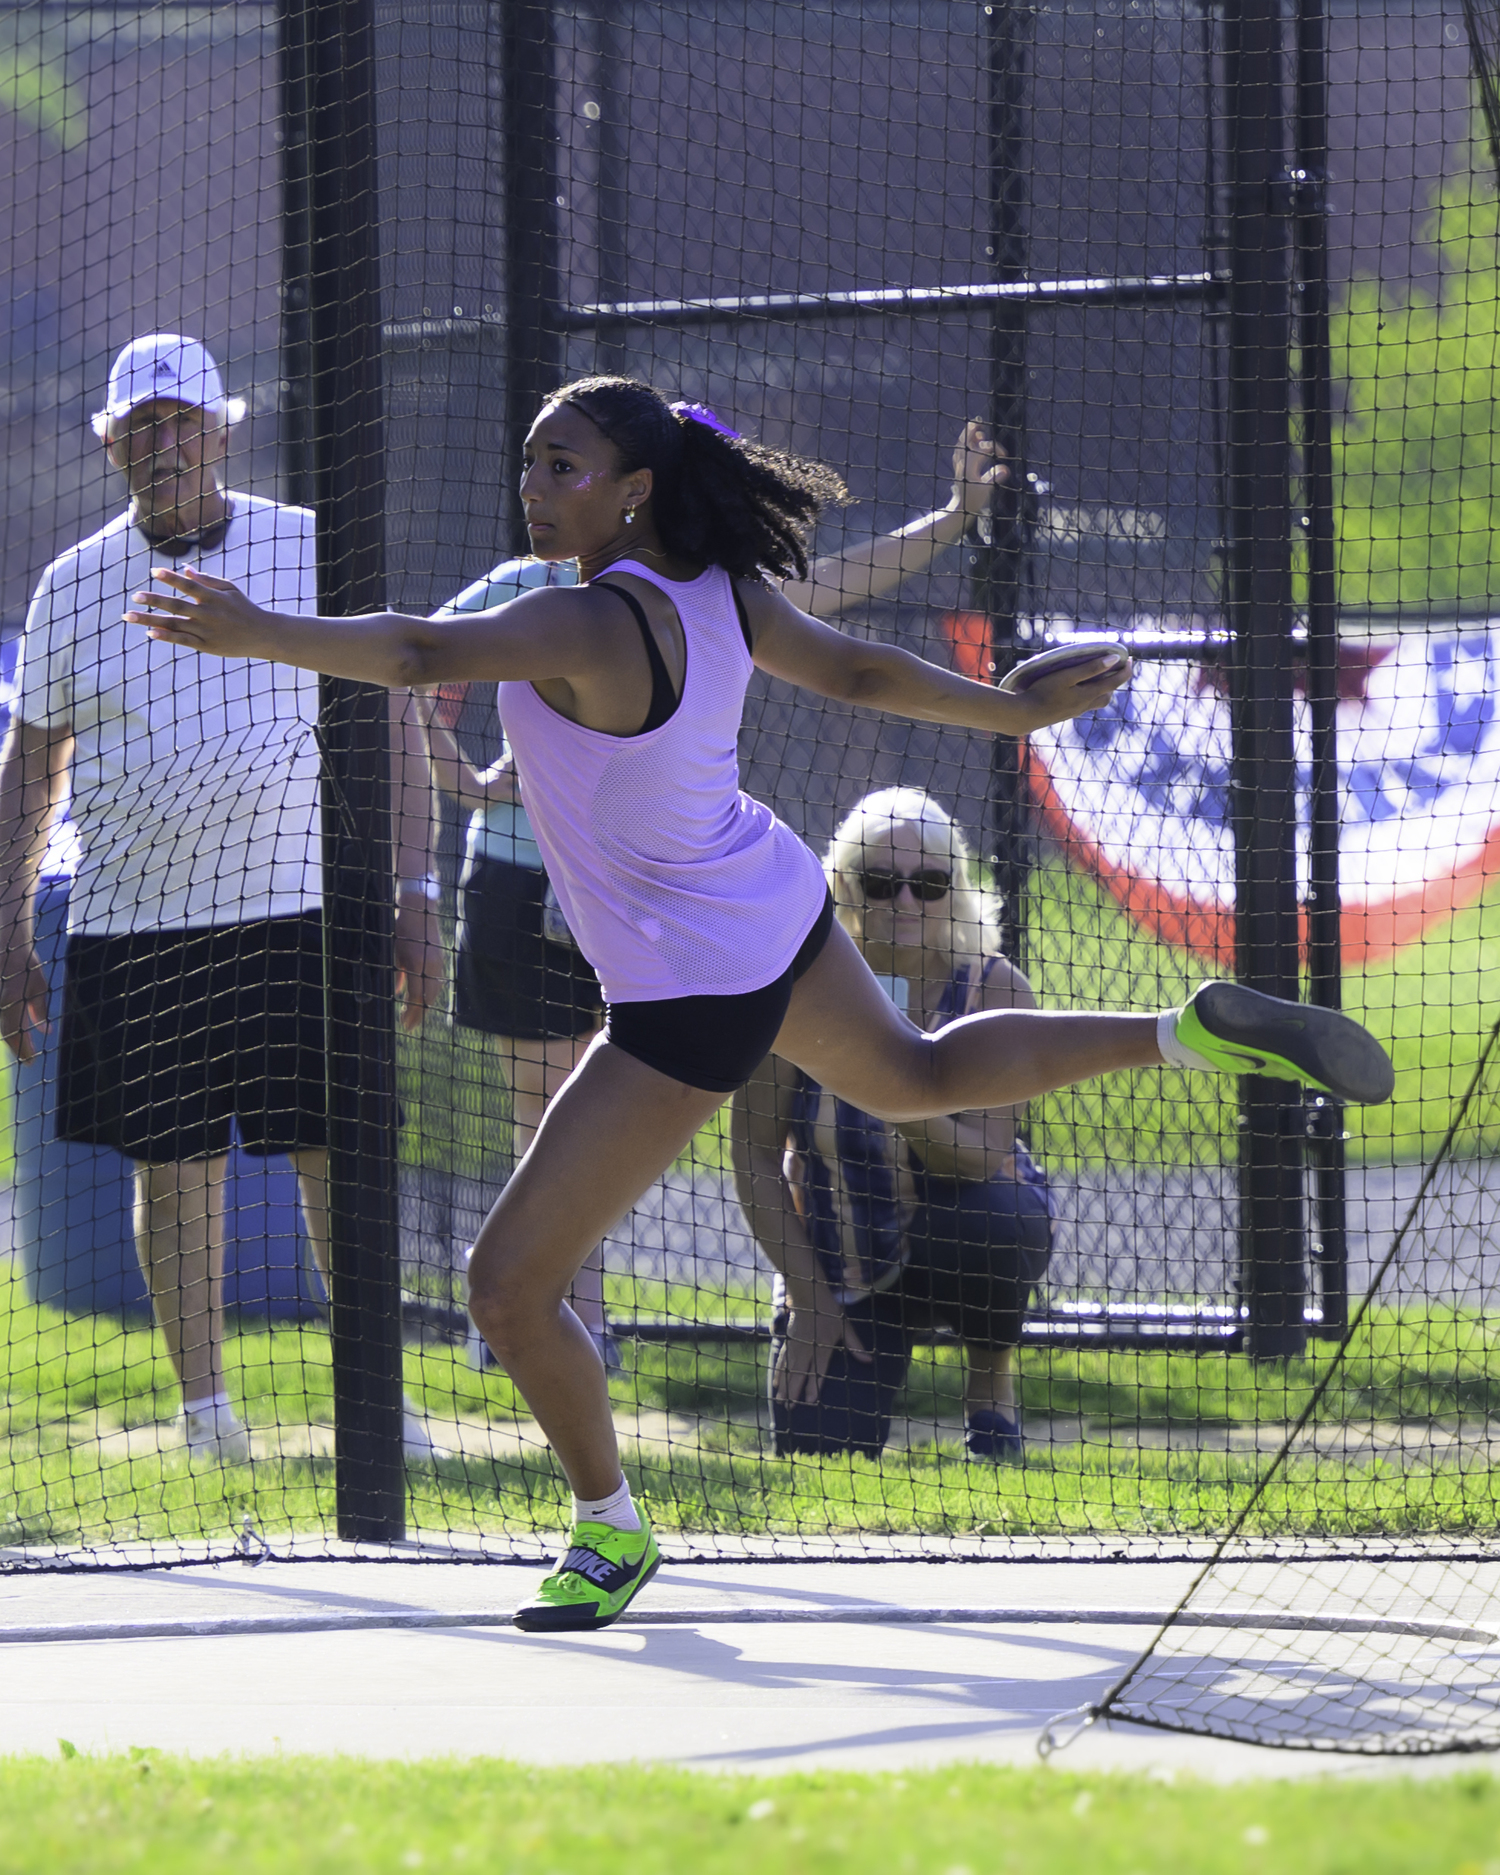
<point x="1061" y="1732"/>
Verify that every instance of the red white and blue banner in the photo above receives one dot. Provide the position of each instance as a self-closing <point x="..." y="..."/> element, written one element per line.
<point x="1139" y="793"/>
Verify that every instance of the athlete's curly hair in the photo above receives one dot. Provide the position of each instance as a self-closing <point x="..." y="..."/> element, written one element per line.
<point x="715" y="497"/>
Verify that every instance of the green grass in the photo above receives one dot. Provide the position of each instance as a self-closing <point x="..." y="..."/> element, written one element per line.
<point x="339" y="1816"/>
<point x="1129" y="1459"/>
<point x="1432" y="1004"/>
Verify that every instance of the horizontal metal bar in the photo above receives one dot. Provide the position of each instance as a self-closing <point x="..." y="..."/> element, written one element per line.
<point x="1041" y="1332"/>
<point x="485" y="329"/>
<point x="1131" y="1336"/>
<point x="1184" y="1328"/>
<point x="444" y="1318"/>
<point x="1144" y="646"/>
<point x="1185" y="289"/>
<point x="1103" y="290"/>
<point x="708" y="1333"/>
<point x="1208" y="1333"/>
<point x="139" y="6"/>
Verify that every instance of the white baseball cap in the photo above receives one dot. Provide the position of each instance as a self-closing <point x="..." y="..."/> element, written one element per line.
<point x="165" y="364"/>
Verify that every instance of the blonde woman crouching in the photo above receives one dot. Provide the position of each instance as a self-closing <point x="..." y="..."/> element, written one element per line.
<point x="880" y="1231"/>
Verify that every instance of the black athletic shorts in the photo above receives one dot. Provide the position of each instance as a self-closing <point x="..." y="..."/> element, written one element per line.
<point x="508" y="978"/>
<point x="168" y="1037"/>
<point x="714" y="1042"/>
<point x="977" y="1252"/>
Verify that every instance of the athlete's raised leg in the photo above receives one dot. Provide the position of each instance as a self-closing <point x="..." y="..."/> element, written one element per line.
<point x="606" y="1138"/>
<point x="845" y="1032"/>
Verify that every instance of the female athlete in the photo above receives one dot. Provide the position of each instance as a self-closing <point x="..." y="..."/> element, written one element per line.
<point x="710" y="924"/>
<point x="518" y="976"/>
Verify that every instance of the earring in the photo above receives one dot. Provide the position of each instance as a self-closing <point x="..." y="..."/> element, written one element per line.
<point x="630" y="517"/>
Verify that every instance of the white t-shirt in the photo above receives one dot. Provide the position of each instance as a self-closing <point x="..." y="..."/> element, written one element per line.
<point x="194" y="779"/>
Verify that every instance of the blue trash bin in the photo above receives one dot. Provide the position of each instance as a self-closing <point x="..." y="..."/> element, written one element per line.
<point x="73" y="1231"/>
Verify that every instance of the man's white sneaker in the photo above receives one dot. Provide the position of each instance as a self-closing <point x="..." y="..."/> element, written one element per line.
<point x="215" y="1436"/>
<point x="416" y="1441"/>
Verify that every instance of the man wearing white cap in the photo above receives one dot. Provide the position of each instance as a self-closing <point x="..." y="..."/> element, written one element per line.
<point x="193" y="981"/>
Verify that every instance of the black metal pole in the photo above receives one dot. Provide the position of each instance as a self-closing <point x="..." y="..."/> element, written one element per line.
<point x="1325" y="1130"/>
<point x="533" y="279"/>
<point x="614" y="48"/>
<point x="1272" y="1261"/>
<point x="333" y="216"/>
<point x="999" y="566"/>
<point x="294" y="404"/>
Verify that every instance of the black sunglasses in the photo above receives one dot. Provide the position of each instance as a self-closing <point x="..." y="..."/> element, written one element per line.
<point x="928" y="885"/>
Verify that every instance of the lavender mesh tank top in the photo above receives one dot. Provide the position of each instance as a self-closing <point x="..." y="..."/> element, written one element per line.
<point x="674" y="882"/>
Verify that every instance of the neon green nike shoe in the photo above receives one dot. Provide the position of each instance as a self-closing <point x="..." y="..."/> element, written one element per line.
<point x="1242" y="1031"/>
<point x="596" y="1581"/>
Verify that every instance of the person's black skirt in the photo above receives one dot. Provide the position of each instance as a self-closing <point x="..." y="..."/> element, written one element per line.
<point x="508" y="978"/>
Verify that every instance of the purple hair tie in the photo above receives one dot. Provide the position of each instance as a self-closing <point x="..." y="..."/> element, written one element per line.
<point x="700" y="413"/>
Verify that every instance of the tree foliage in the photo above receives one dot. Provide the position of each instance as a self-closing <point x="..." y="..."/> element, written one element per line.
<point x="35" y="90"/>
<point x="1417" y="445"/>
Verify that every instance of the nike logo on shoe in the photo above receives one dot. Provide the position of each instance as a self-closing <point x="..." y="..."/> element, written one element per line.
<point x="604" y="1574"/>
<point x="590" y="1588"/>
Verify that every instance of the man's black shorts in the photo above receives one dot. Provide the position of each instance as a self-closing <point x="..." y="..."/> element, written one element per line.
<point x="169" y="1036"/>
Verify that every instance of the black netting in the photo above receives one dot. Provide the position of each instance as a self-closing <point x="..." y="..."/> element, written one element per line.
<point x="1168" y="323"/>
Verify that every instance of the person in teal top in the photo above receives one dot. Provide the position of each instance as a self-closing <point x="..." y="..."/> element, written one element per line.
<point x="517" y="974"/>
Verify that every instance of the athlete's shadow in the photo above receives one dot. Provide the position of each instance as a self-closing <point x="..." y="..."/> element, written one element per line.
<point x="982" y="1695"/>
<point x="985" y="1697"/>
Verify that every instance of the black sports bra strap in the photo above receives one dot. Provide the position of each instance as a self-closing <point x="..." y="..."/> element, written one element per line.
<point x="739" y="608"/>
<point x="664" y="699"/>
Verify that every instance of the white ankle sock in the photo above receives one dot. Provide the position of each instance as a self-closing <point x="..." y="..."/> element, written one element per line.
<point x="211" y="1404"/>
<point x="617" y="1510"/>
<point x="1174" y="1053"/>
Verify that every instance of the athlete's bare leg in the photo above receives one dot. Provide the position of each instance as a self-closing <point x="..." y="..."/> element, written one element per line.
<point x="845" y="1032"/>
<point x="606" y="1138"/>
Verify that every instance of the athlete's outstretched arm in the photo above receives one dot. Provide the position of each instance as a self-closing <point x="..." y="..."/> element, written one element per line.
<point x="804" y="651"/>
<point x="543" y="634"/>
